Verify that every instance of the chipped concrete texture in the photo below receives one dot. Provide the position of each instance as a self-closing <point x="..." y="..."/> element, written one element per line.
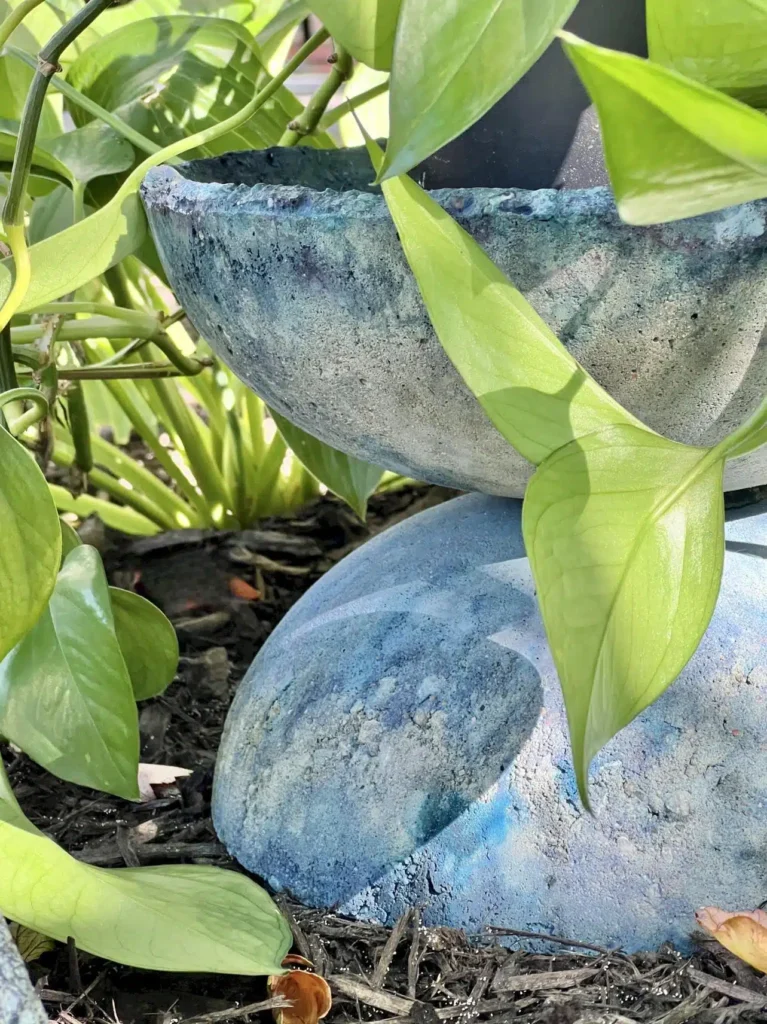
<point x="401" y="740"/>
<point x="18" y="1002"/>
<point x="295" y="275"/>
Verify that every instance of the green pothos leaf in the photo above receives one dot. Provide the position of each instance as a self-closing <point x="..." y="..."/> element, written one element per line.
<point x="721" y="43"/>
<point x="349" y="478"/>
<point x="148" y="642"/>
<point x="625" y="535"/>
<point x="30" y="542"/>
<point x="65" y="693"/>
<point x="366" y="28"/>
<point x="674" y="148"/>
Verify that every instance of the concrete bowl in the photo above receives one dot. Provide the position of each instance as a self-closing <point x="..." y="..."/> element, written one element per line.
<point x="287" y="262"/>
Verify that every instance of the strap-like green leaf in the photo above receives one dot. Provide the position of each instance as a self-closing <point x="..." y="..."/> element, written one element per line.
<point x="349" y="478"/>
<point x="30" y="542"/>
<point x="148" y="642"/>
<point x="527" y="382"/>
<point x="453" y="61"/>
<point x="625" y="535"/>
<point x="722" y="43"/>
<point x="674" y="148"/>
<point x="366" y="28"/>
<point x="65" y="694"/>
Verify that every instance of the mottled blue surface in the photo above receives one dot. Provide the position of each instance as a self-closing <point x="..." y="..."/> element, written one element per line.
<point x="18" y="1002"/>
<point x="400" y="740"/>
<point x="290" y="267"/>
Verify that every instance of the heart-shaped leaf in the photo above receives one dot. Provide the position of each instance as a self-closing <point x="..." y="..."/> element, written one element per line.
<point x="65" y="693"/>
<point x="366" y="28"/>
<point x="91" y="151"/>
<point x="453" y="61"/>
<point x="179" y="918"/>
<point x="527" y="382"/>
<point x="171" y="77"/>
<point x="30" y="542"/>
<point x="148" y="642"/>
<point x="64" y="262"/>
<point x="625" y="535"/>
<point x="349" y="478"/>
<point x="674" y="148"/>
<point x="722" y="43"/>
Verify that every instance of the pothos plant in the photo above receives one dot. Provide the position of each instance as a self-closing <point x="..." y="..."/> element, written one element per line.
<point x="629" y="522"/>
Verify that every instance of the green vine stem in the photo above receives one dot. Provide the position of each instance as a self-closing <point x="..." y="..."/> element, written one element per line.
<point x="307" y="122"/>
<point x="15" y="18"/>
<point x="141" y="142"/>
<point x="13" y="210"/>
<point x="350" y="104"/>
<point x="128" y="316"/>
<point x="28" y="419"/>
<point x="132" y="371"/>
<point x="7" y="370"/>
<point x="47" y="66"/>
<point x="92" y="327"/>
<point x="80" y="429"/>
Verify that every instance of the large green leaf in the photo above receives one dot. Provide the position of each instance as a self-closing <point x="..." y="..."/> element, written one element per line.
<point x="722" y="43"/>
<point x="44" y="163"/>
<point x="170" y="77"/>
<point x="30" y="542"/>
<point x="65" y="693"/>
<point x="366" y="28"/>
<point x="454" y="60"/>
<point x="625" y="535"/>
<point x="179" y="918"/>
<point x="91" y="151"/>
<point x="674" y="148"/>
<point x="148" y="642"/>
<point x="349" y="478"/>
<point x="525" y="379"/>
<point x="15" y="80"/>
<point x="64" y="262"/>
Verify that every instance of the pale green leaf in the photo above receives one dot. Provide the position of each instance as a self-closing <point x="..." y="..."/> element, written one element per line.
<point x="91" y="151"/>
<point x="31" y="944"/>
<point x="15" y="80"/>
<point x="349" y="478"/>
<point x="625" y="535"/>
<point x="127" y="520"/>
<point x="65" y="693"/>
<point x="178" y="918"/>
<point x="44" y="163"/>
<point x="453" y="61"/>
<point x="721" y="43"/>
<point x="64" y="262"/>
<point x="527" y="382"/>
<point x="70" y="539"/>
<point x="174" y="76"/>
<point x="30" y="542"/>
<point x="366" y="28"/>
<point x="148" y="642"/>
<point x="674" y="148"/>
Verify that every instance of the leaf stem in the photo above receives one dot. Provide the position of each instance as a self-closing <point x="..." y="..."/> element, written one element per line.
<point x="7" y="370"/>
<point x="92" y="327"/>
<point x="307" y="122"/>
<point x="128" y="316"/>
<point x="350" y="104"/>
<point x="28" y="419"/>
<point x="80" y="429"/>
<point x="15" y="18"/>
<point x="61" y="85"/>
<point x="133" y="371"/>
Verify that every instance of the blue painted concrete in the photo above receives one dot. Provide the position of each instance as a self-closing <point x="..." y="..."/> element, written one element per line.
<point x="288" y="264"/>
<point x="401" y="740"/>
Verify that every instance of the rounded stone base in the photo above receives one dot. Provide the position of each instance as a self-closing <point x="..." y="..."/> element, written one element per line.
<point x="400" y="740"/>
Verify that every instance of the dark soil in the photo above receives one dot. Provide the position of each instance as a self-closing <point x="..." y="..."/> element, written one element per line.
<point x="225" y="594"/>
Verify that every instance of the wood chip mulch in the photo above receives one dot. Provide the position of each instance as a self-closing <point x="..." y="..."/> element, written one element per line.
<point x="410" y="974"/>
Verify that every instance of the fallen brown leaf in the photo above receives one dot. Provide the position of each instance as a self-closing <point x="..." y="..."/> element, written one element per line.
<point x="308" y="993"/>
<point x="743" y="932"/>
<point x="243" y="591"/>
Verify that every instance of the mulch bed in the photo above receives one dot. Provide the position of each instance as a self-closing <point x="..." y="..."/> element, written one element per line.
<point x="225" y="594"/>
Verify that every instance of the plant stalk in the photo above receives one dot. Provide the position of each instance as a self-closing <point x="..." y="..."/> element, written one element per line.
<point x="15" y="18"/>
<point x="350" y="104"/>
<point x="307" y="122"/>
<point x="7" y="370"/>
